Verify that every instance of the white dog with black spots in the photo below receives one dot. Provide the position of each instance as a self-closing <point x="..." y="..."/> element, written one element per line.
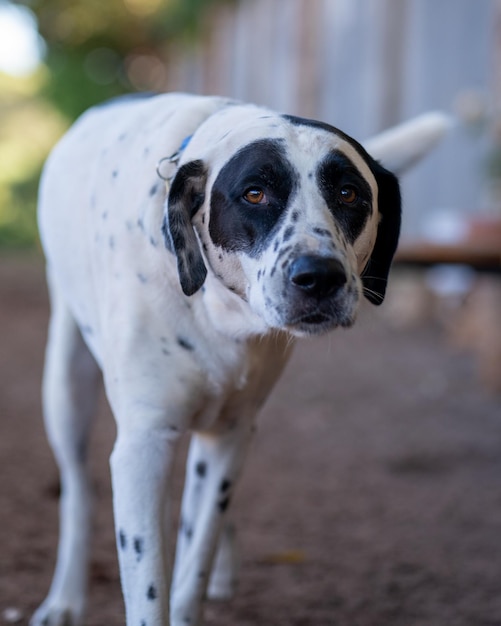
<point x="187" y="298"/>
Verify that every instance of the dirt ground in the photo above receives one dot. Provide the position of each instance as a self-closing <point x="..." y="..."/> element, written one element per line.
<point x="372" y="496"/>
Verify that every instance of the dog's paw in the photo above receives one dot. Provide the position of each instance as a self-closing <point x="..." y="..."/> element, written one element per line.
<point x="49" y="614"/>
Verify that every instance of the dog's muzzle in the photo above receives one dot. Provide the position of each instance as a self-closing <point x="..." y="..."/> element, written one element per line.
<point x="319" y="295"/>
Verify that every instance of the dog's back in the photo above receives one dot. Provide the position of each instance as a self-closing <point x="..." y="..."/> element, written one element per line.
<point x="101" y="200"/>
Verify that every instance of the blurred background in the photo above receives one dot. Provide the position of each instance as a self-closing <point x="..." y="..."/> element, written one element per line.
<point x="362" y="65"/>
<point x="374" y="491"/>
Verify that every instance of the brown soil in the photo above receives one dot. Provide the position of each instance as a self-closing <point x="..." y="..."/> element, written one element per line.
<point x="372" y="496"/>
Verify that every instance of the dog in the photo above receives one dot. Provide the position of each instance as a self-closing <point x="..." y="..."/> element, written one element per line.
<point x="189" y="240"/>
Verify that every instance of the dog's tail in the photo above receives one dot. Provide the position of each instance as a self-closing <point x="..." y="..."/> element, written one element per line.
<point x="400" y="147"/>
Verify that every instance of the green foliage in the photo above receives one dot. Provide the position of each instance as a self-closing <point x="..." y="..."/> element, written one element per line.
<point x="91" y="44"/>
<point x="95" y="50"/>
<point x="71" y="88"/>
<point x="28" y="129"/>
<point x="18" y="227"/>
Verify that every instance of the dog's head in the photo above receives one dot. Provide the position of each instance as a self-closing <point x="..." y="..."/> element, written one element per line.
<point x="291" y="215"/>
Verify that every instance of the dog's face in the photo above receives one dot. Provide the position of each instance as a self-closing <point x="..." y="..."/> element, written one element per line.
<point x="293" y="216"/>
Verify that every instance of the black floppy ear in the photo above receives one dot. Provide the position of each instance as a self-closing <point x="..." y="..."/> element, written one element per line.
<point x="186" y="196"/>
<point x="375" y="274"/>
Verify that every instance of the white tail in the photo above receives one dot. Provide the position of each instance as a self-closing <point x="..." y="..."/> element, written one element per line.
<point x="402" y="146"/>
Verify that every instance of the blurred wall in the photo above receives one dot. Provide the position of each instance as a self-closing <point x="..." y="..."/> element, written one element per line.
<point x="364" y="65"/>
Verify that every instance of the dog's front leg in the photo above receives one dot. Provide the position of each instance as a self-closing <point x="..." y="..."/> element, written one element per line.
<point x="141" y="465"/>
<point x="214" y="466"/>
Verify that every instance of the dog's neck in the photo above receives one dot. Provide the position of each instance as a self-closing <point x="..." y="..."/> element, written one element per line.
<point x="229" y="313"/>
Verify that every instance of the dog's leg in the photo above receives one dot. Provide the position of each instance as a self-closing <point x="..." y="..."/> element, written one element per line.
<point x="141" y="465"/>
<point x="213" y="468"/>
<point x="70" y="389"/>
<point x="224" y="574"/>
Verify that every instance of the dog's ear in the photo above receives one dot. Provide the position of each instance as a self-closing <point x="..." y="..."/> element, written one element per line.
<point x="398" y="148"/>
<point x="375" y="274"/>
<point x="186" y="196"/>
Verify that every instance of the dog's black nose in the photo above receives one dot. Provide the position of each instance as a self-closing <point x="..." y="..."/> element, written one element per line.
<point x="317" y="275"/>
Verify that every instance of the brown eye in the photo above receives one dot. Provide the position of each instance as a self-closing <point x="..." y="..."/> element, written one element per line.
<point x="255" y="196"/>
<point x="348" y="194"/>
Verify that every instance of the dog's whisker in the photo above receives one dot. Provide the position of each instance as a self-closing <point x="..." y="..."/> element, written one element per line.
<point x="377" y="296"/>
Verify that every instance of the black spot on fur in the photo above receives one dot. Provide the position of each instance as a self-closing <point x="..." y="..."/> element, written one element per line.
<point x="142" y="278"/>
<point x="151" y="594"/>
<point x="140" y="224"/>
<point x="185" y="344"/>
<point x="122" y="539"/>
<point x="295" y="216"/>
<point x="225" y="485"/>
<point x="223" y="505"/>
<point x="201" y="469"/>
<point x="114" y="174"/>
<point x="289" y="231"/>
<point x="283" y="251"/>
<point x="153" y="190"/>
<point x="323" y="232"/>
<point x="138" y="544"/>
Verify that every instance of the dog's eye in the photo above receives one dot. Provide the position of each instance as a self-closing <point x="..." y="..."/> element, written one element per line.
<point x="255" y="196"/>
<point x="348" y="194"/>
